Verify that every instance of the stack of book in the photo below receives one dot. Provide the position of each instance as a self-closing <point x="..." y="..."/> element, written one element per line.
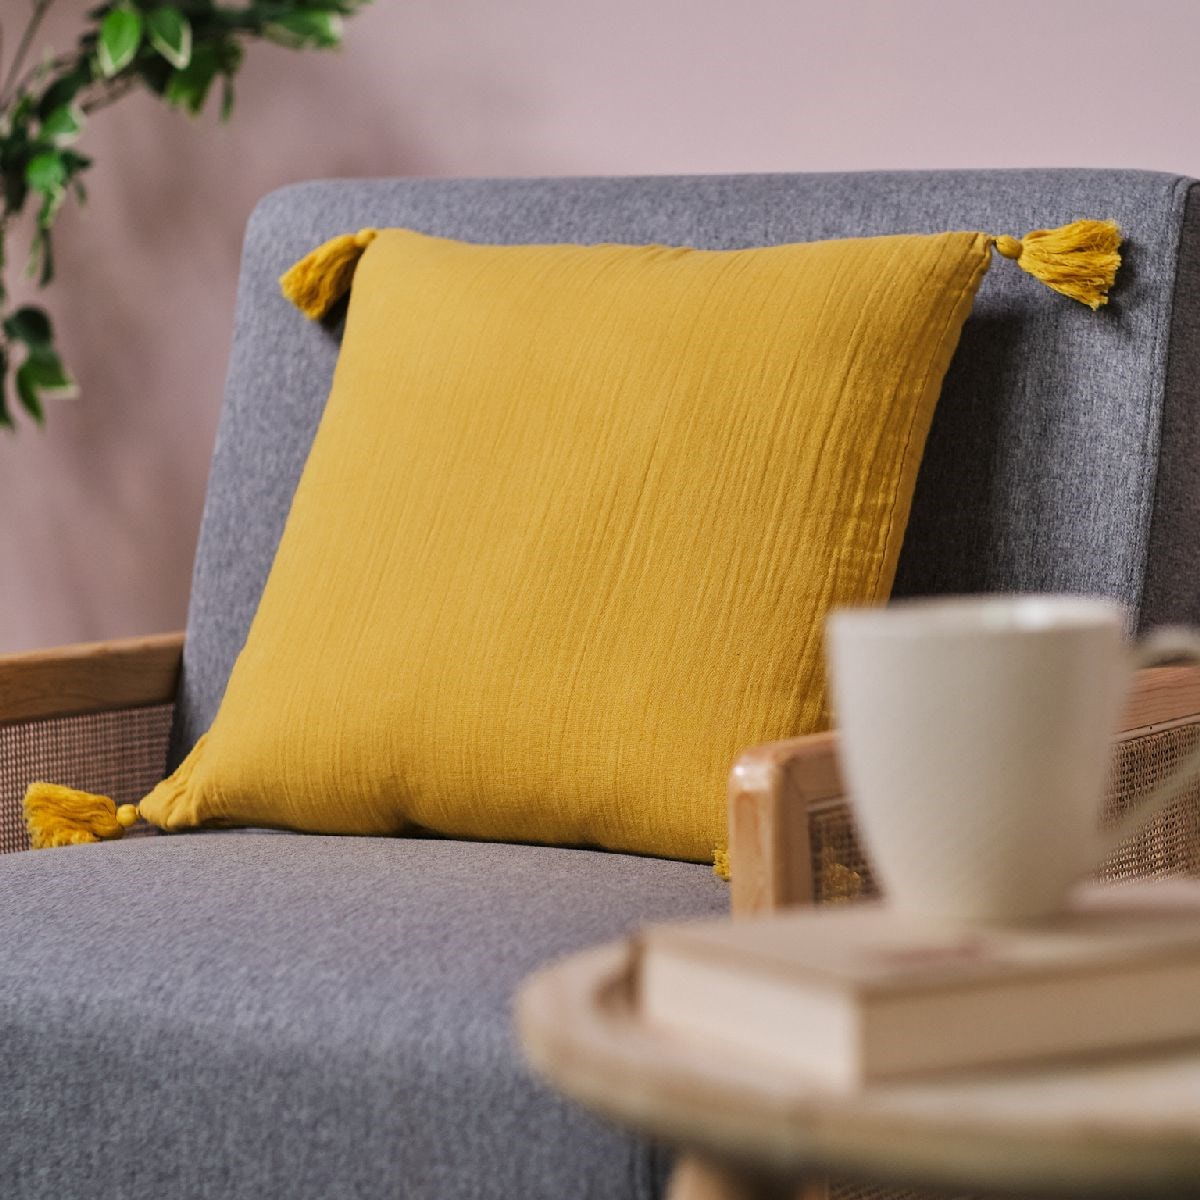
<point x="858" y="993"/>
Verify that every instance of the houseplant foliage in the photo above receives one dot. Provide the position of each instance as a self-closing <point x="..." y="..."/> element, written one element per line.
<point x="183" y="51"/>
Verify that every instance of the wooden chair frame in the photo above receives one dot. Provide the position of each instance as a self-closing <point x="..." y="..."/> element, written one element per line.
<point x="775" y="789"/>
<point x="93" y="677"/>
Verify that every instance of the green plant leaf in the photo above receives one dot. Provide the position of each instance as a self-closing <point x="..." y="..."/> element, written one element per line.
<point x="30" y="326"/>
<point x="15" y="188"/>
<point x="227" y="97"/>
<point x="74" y="161"/>
<point x="21" y="110"/>
<point x="171" y="35"/>
<point x="52" y="377"/>
<point x="306" y="27"/>
<point x="62" y="126"/>
<point x="61" y="92"/>
<point x="41" y="257"/>
<point x="6" y="421"/>
<point x="27" y="393"/>
<point x="46" y="172"/>
<point x="174" y="48"/>
<point x="189" y="88"/>
<point x="120" y="37"/>
<point x="154" y="71"/>
<point x="230" y="56"/>
<point x="51" y="203"/>
<point x="42" y="376"/>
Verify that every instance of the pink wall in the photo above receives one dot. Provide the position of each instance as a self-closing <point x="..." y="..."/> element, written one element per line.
<point x="98" y="514"/>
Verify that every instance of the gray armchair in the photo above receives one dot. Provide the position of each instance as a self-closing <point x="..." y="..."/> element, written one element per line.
<point x="255" y="1014"/>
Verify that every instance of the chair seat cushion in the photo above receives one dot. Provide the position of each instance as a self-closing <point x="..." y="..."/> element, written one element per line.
<point x="273" y="1015"/>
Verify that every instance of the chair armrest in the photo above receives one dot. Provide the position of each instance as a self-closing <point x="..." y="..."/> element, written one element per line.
<point x="1161" y="696"/>
<point x="771" y="790"/>
<point x="89" y="678"/>
<point x="774" y="790"/>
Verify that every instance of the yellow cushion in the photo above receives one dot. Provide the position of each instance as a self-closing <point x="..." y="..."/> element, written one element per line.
<point x="568" y="531"/>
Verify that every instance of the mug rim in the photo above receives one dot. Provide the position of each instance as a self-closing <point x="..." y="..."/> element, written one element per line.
<point x="985" y="614"/>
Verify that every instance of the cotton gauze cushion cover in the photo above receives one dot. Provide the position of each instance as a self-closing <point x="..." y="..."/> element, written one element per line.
<point x="568" y="531"/>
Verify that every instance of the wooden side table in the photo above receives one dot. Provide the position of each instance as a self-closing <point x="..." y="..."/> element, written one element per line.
<point x="1125" y="1126"/>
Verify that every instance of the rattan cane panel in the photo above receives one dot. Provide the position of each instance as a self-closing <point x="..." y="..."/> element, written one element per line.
<point x="840" y="868"/>
<point x="121" y="754"/>
<point x="866" y="1191"/>
<point x="1169" y="845"/>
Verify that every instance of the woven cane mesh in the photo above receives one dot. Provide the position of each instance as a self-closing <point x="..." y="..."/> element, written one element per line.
<point x="1169" y="845"/>
<point x="865" y="1191"/>
<point x="121" y="754"/>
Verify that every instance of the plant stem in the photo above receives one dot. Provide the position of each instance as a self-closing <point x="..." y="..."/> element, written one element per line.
<point x="56" y="65"/>
<point x="111" y="91"/>
<point x="40" y="8"/>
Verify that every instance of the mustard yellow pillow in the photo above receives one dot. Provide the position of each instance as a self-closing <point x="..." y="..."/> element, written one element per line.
<point x="568" y="530"/>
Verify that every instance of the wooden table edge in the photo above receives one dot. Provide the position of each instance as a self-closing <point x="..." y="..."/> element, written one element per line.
<point x="579" y="1031"/>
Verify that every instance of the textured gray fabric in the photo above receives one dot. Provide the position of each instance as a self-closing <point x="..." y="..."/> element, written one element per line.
<point x="1172" y="591"/>
<point x="307" y="1018"/>
<point x="1041" y="469"/>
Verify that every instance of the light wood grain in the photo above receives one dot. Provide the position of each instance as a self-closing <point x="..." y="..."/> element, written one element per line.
<point x="1161" y="696"/>
<point x="92" y="677"/>
<point x="771" y="789"/>
<point x="696" y="1179"/>
<point x="1117" y="1125"/>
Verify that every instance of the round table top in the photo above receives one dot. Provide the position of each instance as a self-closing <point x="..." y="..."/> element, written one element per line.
<point x="1119" y="1124"/>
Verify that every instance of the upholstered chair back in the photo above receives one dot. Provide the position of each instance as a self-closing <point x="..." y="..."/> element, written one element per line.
<point x="1062" y="456"/>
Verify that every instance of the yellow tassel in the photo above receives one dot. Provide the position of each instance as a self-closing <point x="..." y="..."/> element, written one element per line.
<point x="321" y="278"/>
<point x="838" y="882"/>
<point x="62" y="816"/>
<point x="1080" y="260"/>
<point x="721" y="863"/>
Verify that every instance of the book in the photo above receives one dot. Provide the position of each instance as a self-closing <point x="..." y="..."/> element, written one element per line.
<point x="854" y="994"/>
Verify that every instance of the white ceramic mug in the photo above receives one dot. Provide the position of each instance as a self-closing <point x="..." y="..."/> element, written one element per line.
<point x="976" y="736"/>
